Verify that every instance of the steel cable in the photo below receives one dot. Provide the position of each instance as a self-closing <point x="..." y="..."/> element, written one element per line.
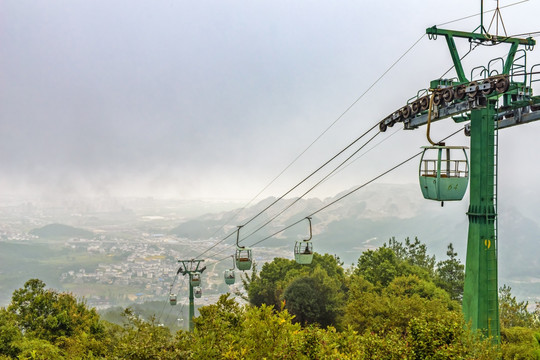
<point x="338" y="199"/>
<point x="312" y="143"/>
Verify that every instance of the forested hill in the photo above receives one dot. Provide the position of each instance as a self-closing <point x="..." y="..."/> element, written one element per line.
<point x="396" y="303"/>
<point x="61" y="231"/>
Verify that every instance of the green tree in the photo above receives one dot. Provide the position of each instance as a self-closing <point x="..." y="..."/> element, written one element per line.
<point x="57" y="319"/>
<point x="10" y="334"/>
<point x="513" y="313"/>
<point x="271" y="335"/>
<point x="520" y="343"/>
<point x="140" y="340"/>
<point x="268" y="287"/>
<point x="413" y="252"/>
<point x="228" y="331"/>
<point x="315" y="299"/>
<point x="450" y="274"/>
<point x="447" y="337"/>
<point x="217" y="327"/>
<point x="383" y="310"/>
<point x="39" y="349"/>
<point x="379" y="267"/>
<point x="49" y="315"/>
<point x="395" y="259"/>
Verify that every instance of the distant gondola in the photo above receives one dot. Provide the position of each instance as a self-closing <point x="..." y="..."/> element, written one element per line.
<point x="303" y="250"/>
<point x="243" y="255"/>
<point x="229" y="276"/>
<point x="195" y="279"/>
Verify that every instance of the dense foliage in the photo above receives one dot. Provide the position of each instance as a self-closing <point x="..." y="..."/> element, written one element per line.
<point x="313" y="293"/>
<point x="396" y="303"/>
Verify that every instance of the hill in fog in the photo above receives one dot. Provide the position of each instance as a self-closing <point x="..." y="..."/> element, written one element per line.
<point x="60" y="231"/>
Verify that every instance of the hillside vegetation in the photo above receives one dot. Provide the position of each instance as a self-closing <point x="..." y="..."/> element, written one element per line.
<point x="397" y="302"/>
<point x="61" y="231"/>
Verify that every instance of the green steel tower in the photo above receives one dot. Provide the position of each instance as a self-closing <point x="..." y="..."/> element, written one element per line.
<point x="193" y="270"/>
<point x="480" y="297"/>
<point x="499" y="96"/>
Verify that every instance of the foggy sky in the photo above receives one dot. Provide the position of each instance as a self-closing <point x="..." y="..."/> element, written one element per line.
<point x="194" y="99"/>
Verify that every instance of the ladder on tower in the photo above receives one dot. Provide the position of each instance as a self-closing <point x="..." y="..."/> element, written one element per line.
<point x="493" y="291"/>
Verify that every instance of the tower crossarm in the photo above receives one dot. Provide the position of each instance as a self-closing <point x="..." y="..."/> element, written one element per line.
<point x="481" y="37"/>
<point x="191" y="266"/>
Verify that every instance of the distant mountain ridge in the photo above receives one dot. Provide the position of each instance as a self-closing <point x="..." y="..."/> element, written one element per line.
<point x="368" y="218"/>
<point x="362" y="220"/>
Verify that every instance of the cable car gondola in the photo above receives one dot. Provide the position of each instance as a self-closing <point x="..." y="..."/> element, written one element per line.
<point x="172" y="299"/>
<point x="444" y="172"/>
<point x="195" y="279"/>
<point x="303" y="250"/>
<point x="243" y="255"/>
<point x="228" y="275"/>
<point x="197" y="291"/>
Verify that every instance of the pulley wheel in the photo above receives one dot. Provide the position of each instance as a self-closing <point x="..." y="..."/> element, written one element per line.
<point x="491" y="87"/>
<point x="382" y="127"/>
<point x="415" y="107"/>
<point x="459" y="94"/>
<point x="448" y="95"/>
<point x="502" y="84"/>
<point x="437" y="98"/>
<point x="405" y="112"/>
<point x="424" y="103"/>
<point x="473" y="93"/>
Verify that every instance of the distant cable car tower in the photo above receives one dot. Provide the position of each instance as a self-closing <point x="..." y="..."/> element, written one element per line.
<point x="193" y="270"/>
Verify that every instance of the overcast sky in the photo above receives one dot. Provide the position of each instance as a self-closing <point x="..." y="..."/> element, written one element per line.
<point x="212" y="99"/>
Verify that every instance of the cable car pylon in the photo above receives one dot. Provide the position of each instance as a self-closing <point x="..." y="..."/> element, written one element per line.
<point x="500" y="100"/>
<point x="193" y="270"/>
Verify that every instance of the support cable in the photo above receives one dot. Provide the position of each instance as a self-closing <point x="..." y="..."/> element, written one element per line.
<point x="335" y="121"/>
<point x="471" y="49"/>
<point x="170" y="292"/>
<point x="313" y="187"/>
<point x="331" y="203"/>
<point x="536" y="33"/>
<point x="477" y="44"/>
<point x="313" y="142"/>
<point x="338" y="199"/>
<point x="488" y="11"/>
<point x="167" y="317"/>
<point x="367" y="151"/>
<point x="294" y="187"/>
<point x="182" y="313"/>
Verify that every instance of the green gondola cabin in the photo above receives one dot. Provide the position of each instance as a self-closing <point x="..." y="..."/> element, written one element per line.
<point x="444" y="172"/>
